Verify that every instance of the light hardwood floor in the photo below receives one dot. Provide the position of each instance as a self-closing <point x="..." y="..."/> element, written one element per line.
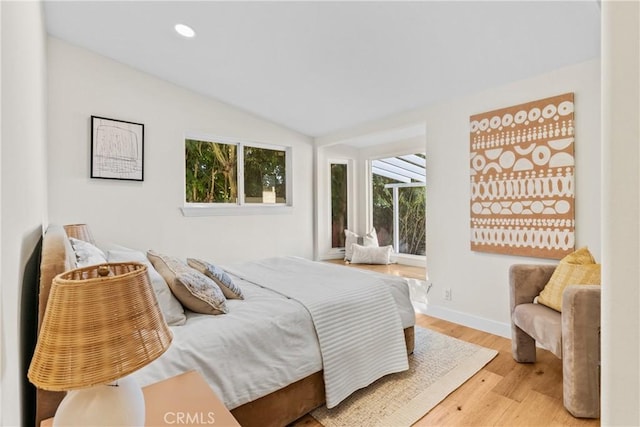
<point x="503" y="393"/>
<point x="393" y="269"/>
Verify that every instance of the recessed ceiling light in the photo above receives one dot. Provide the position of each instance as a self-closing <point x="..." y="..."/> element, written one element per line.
<point x="185" y="30"/>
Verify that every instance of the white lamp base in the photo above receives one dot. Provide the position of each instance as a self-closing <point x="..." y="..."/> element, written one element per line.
<point x="117" y="404"/>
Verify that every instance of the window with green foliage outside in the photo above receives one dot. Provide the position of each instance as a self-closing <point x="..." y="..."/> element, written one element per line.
<point x="213" y="175"/>
<point x="264" y="175"/>
<point x="211" y="172"/>
<point x="399" y="202"/>
<point x="339" y="204"/>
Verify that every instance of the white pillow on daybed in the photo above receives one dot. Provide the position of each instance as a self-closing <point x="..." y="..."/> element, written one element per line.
<point x="371" y="255"/>
<point x="351" y="238"/>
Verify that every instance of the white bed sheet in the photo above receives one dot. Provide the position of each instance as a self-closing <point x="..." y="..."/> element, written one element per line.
<point x="264" y="343"/>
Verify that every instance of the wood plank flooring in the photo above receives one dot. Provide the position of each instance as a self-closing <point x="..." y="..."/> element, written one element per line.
<point x="503" y="393"/>
<point x="409" y="271"/>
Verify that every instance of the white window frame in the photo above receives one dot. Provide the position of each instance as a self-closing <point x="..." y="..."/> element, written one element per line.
<point x="240" y="207"/>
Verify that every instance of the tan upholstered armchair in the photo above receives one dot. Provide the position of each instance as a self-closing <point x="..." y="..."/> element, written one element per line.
<point x="573" y="335"/>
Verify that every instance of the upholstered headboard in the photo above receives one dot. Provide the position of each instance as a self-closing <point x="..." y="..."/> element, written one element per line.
<point x="57" y="257"/>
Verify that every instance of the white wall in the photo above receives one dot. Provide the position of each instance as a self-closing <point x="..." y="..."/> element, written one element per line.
<point x="146" y="214"/>
<point x="621" y="214"/>
<point x="22" y="177"/>
<point x="478" y="280"/>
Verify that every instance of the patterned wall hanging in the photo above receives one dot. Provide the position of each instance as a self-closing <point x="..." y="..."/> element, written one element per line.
<point x="522" y="179"/>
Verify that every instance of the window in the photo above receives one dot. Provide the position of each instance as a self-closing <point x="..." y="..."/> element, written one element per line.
<point x="223" y="173"/>
<point x="211" y="172"/>
<point x="399" y="202"/>
<point x="338" y="204"/>
<point x="264" y="175"/>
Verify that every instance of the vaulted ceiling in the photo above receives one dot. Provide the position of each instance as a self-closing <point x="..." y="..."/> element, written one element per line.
<point x="319" y="67"/>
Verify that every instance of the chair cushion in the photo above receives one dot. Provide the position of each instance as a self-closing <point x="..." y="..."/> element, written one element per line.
<point x="542" y="323"/>
<point x="578" y="268"/>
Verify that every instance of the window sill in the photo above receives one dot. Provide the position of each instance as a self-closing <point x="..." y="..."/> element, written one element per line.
<point x="195" y="211"/>
<point x="407" y="259"/>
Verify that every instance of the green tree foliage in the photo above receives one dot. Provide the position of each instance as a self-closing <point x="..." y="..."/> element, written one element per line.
<point x="413" y="202"/>
<point x="210" y="172"/>
<point x="264" y="169"/>
<point x="382" y="209"/>
<point x="338" y="204"/>
<point x="412" y="208"/>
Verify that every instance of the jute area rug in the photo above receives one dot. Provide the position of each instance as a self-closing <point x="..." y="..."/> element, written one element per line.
<point x="439" y="365"/>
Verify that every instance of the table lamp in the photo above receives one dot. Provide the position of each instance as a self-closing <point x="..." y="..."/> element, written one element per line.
<point x="80" y="232"/>
<point x="101" y="324"/>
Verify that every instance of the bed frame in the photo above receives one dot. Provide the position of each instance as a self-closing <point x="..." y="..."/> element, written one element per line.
<point x="276" y="409"/>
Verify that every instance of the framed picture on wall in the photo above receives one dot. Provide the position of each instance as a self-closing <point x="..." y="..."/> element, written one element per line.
<point x="522" y="169"/>
<point x="117" y="149"/>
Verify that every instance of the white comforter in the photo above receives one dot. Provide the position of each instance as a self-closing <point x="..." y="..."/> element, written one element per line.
<point x="264" y="343"/>
<point x="358" y="326"/>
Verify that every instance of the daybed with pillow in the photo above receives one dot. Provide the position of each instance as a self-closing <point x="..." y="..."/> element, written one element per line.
<point x="272" y="346"/>
<point x="365" y="249"/>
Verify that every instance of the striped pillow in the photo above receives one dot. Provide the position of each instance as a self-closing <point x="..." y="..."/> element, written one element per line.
<point x="229" y="288"/>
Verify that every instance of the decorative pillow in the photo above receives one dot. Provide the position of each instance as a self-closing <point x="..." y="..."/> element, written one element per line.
<point x="169" y="305"/>
<point x="86" y="253"/>
<point x="580" y="257"/>
<point x="193" y="289"/>
<point x="222" y="279"/>
<point x="371" y="255"/>
<point x="578" y="268"/>
<point x="351" y="238"/>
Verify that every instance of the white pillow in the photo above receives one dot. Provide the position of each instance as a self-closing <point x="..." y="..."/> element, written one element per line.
<point x="371" y="255"/>
<point x="351" y="238"/>
<point x="171" y="308"/>
<point x="86" y="253"/>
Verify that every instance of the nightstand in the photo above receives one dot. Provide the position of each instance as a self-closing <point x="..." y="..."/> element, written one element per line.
<point x="183" y="400"/>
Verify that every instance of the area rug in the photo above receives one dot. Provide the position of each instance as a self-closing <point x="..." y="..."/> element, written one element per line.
<point x="439" y="365"/>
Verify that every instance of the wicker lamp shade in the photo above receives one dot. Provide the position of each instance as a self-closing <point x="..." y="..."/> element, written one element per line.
<point x="101" y="324"/>
<point x="80" y="232"/>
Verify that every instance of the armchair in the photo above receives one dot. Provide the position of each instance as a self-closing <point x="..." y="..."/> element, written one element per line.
<point x="573" y="335"/>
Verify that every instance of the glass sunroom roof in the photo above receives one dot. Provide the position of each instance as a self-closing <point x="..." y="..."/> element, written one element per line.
<point x="408" y="168"/>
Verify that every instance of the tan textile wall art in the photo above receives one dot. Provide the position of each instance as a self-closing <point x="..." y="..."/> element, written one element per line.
<point x="522" y="179"/>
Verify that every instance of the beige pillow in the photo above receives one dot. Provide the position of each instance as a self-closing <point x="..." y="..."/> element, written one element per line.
<point x="577" y="268"/>
<point x="229" y="288"/>
<point x="193" y="289"/>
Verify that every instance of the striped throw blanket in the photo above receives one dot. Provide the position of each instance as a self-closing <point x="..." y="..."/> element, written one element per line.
<point x="354" y="314"/>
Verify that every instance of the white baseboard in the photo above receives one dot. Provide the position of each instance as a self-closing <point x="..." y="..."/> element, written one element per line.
<point x="471" y="321"/>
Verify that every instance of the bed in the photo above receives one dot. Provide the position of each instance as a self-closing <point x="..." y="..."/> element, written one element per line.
<point x="299" y="375"/>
